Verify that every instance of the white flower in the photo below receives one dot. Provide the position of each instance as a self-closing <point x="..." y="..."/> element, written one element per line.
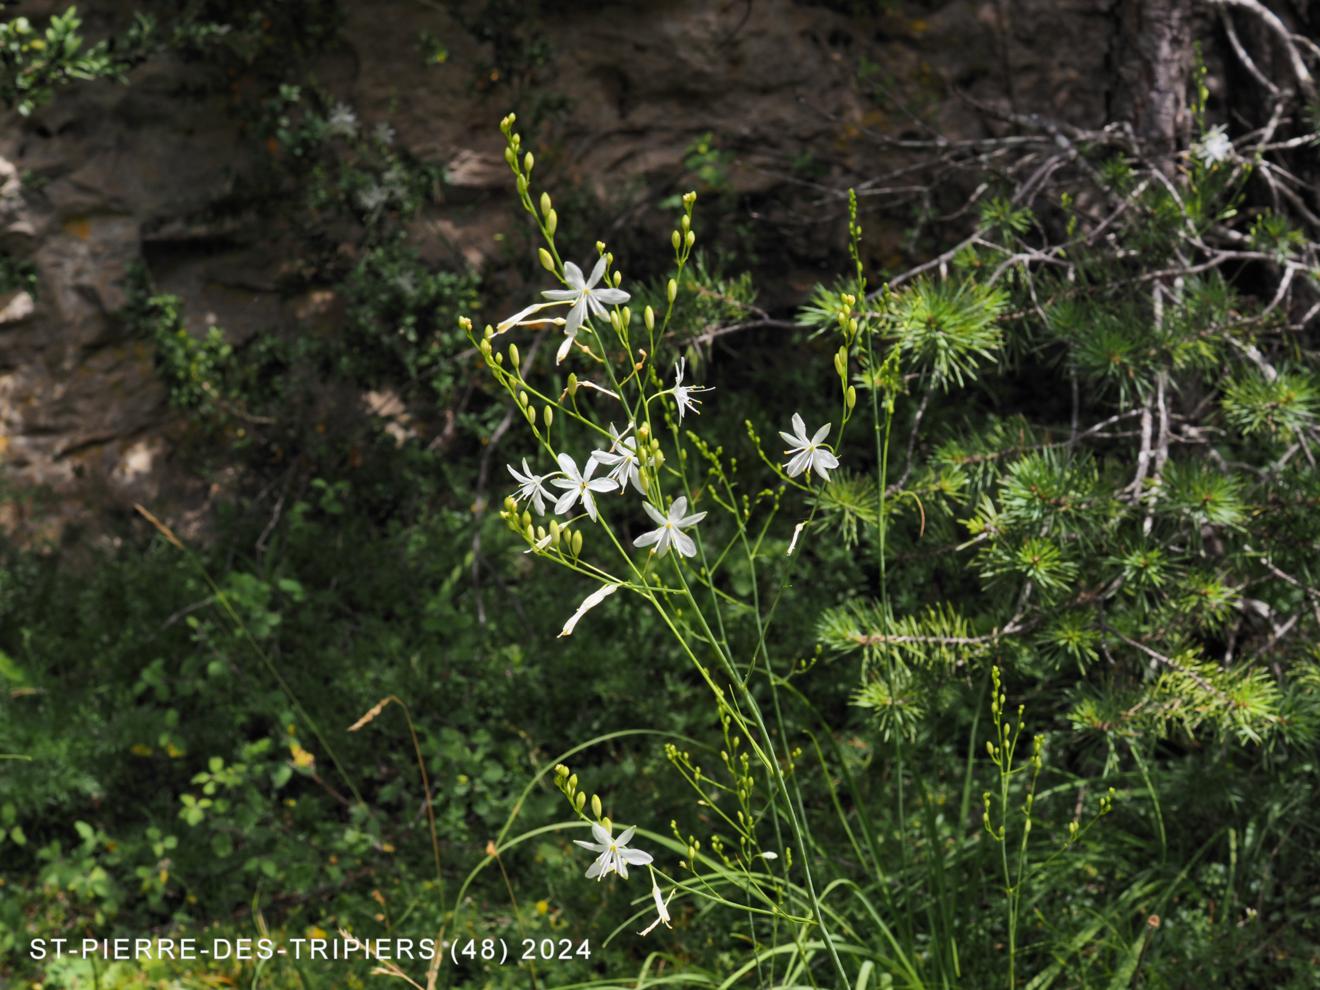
<point x="531" y="486"/>
<point x="671" y="529"/>
<point x="621" y="459"/>
<point x="588" y="603"/>
<point x="384" y="133"/>
<point x="579" y="485"/>
<point x="683" y="393"/>
<point x="372" y="198"/>
<point x="581" y="295"/>
<point x="342" y="121"/>
<point x="808" y="454"/>
<point x="614" y="857"/>
<point x="1214" y="147"/>
<point x="661" y="908"/>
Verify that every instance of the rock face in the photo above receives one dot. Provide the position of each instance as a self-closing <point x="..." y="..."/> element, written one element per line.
<point x="791" y="94"/>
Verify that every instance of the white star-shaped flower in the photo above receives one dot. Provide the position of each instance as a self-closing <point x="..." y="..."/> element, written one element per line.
<point x="671" y="526"/>
<point x="621" y="459"/>
<point x="683" y="393"/>
<point x="581" y="295"/>
<point x="614" y="856"/>
<point x="580" y="485"/>
<point x="661" y="908"/>
<point x="1214" y="147"/>
<point x="808" y="454"/>
<point x="531" y="486"/>
<point x="342" y="121"/>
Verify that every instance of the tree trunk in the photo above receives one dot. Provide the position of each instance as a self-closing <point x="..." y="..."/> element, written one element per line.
<point x="1153" y="60"/>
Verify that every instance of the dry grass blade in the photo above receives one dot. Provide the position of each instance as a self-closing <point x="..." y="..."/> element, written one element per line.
<point x="161" y="528"/>
<point x="375" y="710"/>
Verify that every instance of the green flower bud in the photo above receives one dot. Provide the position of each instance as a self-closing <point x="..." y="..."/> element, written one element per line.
<point x="671" y="290"/>
<point x="552" y="222"/>
<point x="580" y="800"/>
<point x="528" y="162"/>
<point x="572" y="384"/>
<point x="485" y="347"/>
<point x="548" y="414"/>
<point x="687" y="224"/>
<point x="691" y="238"/>
<point x="600" y="248"/>
<point x="609" y="825"/>
<point x="676" y="239"/>
<point x="527" y="520"/>
<point x="488" y="332"/>
<point x="540" y="533"/>
<point x="511" y="158"/>
<point x="554" y="542"/>
<point x="577" y="543"/>
<point x="572" y="782"/>
<point x="514" y="357"/>
<point x="499" y="359"/>
<point x="851" y="397"/>
<point x="510" y="505"/>
<point x="595" y="806"/>
<point x="561" y="771"/>
<point x="644" y="431"/>
<point x="547" y="262"/>
<point x="688" y="199"/>
<point x="648" y="316"/>
<point x="545" y="203"/>
<point x="522" y="398"/>
<point x="522" y="185"/>
<point x="618" y="277"/>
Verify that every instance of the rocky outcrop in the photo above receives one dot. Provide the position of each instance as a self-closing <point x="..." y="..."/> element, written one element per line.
<point x="109" y="176"/>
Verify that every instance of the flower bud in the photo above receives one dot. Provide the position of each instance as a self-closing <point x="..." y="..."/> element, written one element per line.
<point x="648" y="317"/>
<point x="488" y="332"/>
<point x="561" y="771"/>
<point x="644" y="430"/>
<point x="528" y="162"/>
<point x="580" y="800"/>
<point x="540" y="533"/>
<point x="851" y="397"/>
<point x="545" y="204"/>
<point x="465" y="324"/>
<point x="595" y="806"/>
<point x="511" y="158"/>
<point x="572" y="384"/>
<point x="577" y="543"/>
<point x="609" y="825"/>
<point x="691" y="238"/>
<point x="671" y="290"/>
<point x="547" y="262"/>
<point x="514" y="357"/>
<point x="687" y="223"/>
<point x="676" y="239"/>
<point x="507" y="122"/>
<point x="554" y="535"/>
<point x="522" y="398"/>
<point x="522" y="185"/>
<point x="485" y="347"/>
<point x="499" y="359"/>
<point x="548" y="414"/>
<point x="526" y="520"/>
<point x="600" y="248"/>
<point x="510" y="505"/>
<point x="688" y="199"/>
<point x="552" y="222"/>
<point x="618" y="277"/>
<point x="515" y="140"/>
<point x="572" y="782"/>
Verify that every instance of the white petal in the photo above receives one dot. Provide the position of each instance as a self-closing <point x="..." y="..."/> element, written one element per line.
<point x="827" y="459"/>
<point x="588" y="603"/>
<point x="565" y="502"/>
<point x="540" y="544"/>
<point x="602" y="485"/>
<point x="684" y="544"/>
<point x="678" y="507"/>
<point x="679" y="366"/>
<point x="792" y="441"/>
<point x="602" y="835"/>
<point x="566" y="465"/>
<point x="611" y="297"/>
<point x="562" y="295"/>
<point x="593" y="846"/>
<point x="563" y="483"/>
<point x="691" y="520"/>
<point x="635" y="857"/>
<point x="564" y="348"/>
<point x="822" y="433"/>
<point x="627" y="835"/>
<point x="792" y="544"/>
<point x="575" y="317"/>
<point x="573" y="276"/>
<point x="799" y="427"/>
<point x="799" y="464"/>
<point x="646" y="539"/>
<point x="594" y="869"/>
<point x="589" y="504"/>
<point x="596" y="272"/>
<point x="519" y="316"/>
<point x="659" y="517"/>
